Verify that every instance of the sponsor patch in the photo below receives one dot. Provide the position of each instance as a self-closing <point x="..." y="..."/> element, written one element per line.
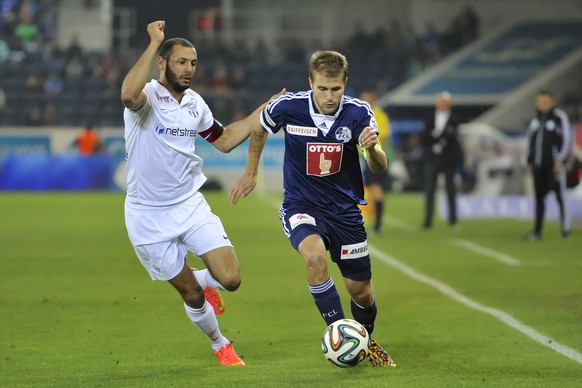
<point x="374" y="124"/>
<point x="301" y="218"/>
<point x="301" y="131"/>
<point x="324" y="159"/>
<point x="268" y="119"/>
<point x="354" y="251"/>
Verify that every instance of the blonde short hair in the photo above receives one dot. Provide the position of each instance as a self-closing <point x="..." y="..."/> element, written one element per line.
<point x="331" y="64"/>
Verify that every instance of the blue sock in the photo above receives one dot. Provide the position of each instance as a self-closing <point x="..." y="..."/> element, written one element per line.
<point x="365" y="315"/>
<point x="327" y="301"/>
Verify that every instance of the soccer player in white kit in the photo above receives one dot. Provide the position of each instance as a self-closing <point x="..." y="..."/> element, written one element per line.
<point x="165" y="214"/>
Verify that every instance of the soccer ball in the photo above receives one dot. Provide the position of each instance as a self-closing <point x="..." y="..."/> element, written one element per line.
<point x="345" y="343"/>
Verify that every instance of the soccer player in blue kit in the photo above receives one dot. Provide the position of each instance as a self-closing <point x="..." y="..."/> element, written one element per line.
<point x="323" y="186"/>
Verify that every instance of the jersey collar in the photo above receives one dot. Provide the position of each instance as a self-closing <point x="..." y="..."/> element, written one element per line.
<point x="323" y="122"/>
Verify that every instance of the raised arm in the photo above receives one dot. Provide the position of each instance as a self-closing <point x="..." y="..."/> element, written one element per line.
<point x="132" y="94"/>
<point x="247" y="182"/>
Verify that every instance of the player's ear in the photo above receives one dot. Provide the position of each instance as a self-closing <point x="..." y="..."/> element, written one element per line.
<point x="310" y="83"/>
<point x="161" y="63"/>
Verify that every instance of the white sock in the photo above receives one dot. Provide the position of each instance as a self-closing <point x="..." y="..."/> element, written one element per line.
<point x="206" y="321"/>
<point x="205" y="280"/>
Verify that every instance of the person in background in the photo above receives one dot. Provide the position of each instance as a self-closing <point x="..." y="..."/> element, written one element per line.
<point x="442" y="154"/>
<point x="377" y="183"/>
<point x="88" y="141"/>
<point x="549" y="144"/>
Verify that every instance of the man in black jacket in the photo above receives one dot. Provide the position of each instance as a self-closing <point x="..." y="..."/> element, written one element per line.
<point x="550" y="141"/>
<point x="443" y="154"/>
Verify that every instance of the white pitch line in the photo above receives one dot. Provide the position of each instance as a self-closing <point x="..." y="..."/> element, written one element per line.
<point x="446" y="290"/>
<point x="501" y="257"/>
<point x="400" y="224"/>
<point x="501" y="315"/>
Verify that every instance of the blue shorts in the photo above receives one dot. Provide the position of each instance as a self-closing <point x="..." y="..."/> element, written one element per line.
<point x="344" y="236"/>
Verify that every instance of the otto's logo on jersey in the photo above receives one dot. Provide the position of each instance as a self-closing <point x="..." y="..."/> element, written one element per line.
<point x="354" y="251"/>
<point x="301" y="131"/>
<point x="324" y="159"/>
<point x="178" y="132"/>
<point x="343" y="134"/>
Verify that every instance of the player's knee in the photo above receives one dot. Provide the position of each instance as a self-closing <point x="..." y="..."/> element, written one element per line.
<point x="231" y="281"/>
<point x="193" y="296"/>
<point x="363" y="295"/>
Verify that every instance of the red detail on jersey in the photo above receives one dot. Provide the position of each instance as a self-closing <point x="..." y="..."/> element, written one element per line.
<point x="344" y="251"/>
<point x="324" y="159"/>
<point x="213" y="133"/>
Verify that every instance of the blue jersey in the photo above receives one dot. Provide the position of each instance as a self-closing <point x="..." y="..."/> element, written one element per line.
<point x="321" y="165"/>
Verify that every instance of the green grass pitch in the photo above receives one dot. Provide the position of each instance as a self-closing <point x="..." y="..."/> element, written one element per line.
<point x="77" y="309"/>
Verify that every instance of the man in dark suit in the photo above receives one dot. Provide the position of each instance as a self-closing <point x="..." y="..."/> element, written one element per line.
<point x="443" y="154"/>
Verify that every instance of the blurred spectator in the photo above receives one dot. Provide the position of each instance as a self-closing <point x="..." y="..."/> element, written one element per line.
<point x="34" y="117"/>
<point x="4" y="55"/>
<point x="27" y="31"/>
<point x="53" y="84"/>
<point x="88" y="141"/>
<point x="54" y="55"/>
<point x="74" y="49"/>
<point x="51" y="116"/>
<point x="34" y="82"/>
<point x="113" y="70"/>
<point x="75" y="69"/>
<point x="220" y="80"/>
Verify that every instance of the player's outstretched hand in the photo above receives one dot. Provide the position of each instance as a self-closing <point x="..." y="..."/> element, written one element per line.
<point x="242" y="187"/>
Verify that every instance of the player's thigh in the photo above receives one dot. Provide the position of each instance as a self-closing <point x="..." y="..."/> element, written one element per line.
<point x="349" y="248"/>
<point x="163" y="260"/>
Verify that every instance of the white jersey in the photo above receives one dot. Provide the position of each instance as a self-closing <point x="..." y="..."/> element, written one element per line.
<point x="162" y="167"/>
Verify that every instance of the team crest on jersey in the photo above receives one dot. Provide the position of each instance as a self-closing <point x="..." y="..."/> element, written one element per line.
<point x="324" y="159"/>
<point x="193" y="112"/>
<point x="343" y="134"/>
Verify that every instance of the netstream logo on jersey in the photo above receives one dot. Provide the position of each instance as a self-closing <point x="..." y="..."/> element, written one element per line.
<point x="177" y="132"/>
<point x="354" y="251"/>
<point x="301" y="131"/>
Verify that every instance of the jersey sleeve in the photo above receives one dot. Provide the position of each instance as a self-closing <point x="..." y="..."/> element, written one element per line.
<point x="366" y="119"/>
<point x="273" y="117"/>
<point x="207" y="119"/>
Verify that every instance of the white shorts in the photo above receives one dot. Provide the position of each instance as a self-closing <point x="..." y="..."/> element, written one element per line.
<point x="162" y="236"/>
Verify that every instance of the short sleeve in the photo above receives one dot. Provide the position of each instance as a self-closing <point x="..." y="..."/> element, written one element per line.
<point x="207" y="119"/>
<point x="272" y="117"/>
